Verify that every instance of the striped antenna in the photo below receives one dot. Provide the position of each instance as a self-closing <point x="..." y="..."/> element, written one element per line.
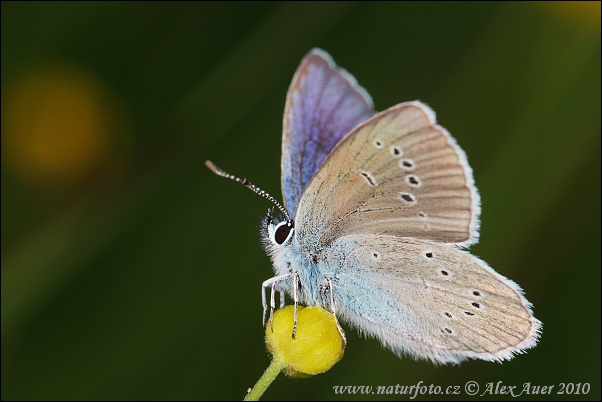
<point x="218" y="171"/>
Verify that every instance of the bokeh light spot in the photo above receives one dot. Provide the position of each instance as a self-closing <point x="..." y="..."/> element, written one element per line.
<point x="583" y="13"/>
<point x="57" y="125"/>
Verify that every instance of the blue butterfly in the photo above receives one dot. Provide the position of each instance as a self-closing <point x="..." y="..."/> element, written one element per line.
<point x="378" y="209"/>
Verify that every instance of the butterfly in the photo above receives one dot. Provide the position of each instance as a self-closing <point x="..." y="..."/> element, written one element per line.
<point x="378" y="209"/>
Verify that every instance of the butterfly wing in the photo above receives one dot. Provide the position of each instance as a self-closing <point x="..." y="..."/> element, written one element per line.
<point x="323" y="104"/>
<point x="428" y="300"/>
<point x="383" y="217"/>
<point x="398" y="173"/>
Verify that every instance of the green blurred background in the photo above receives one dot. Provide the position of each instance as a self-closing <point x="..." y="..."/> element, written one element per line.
<point x="130" y="271"/>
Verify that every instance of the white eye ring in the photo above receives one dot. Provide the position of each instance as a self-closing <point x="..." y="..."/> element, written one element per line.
<point x="281" y="233"/>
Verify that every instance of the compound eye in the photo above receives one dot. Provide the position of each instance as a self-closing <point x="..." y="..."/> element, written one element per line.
<point x="283" y="232"/>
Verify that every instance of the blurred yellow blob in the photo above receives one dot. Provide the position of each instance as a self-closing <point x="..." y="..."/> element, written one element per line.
<point x="580" y="12"/>
<point x="317" y="346"/>
<point x="57" y="125"/>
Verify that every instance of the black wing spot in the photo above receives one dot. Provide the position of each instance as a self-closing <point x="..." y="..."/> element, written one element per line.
<point x="371" y="180"/>
<point x="413" y="180"/>
<point x="396" y="151"/>
<point x="407" y="164"/>
<point x="408" y="197"/>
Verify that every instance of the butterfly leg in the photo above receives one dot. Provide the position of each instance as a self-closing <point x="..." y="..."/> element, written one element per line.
<point x="270" y="282"/>
<point x="296" y="300"/>
<point x="272" y="306"/>
<point x="334" y="313"/>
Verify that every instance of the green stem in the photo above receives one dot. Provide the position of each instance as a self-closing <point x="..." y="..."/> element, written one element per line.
<point x="266" y="379"/>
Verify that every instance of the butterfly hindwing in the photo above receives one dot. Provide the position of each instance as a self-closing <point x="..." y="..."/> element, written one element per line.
<point x="429" y="300"/>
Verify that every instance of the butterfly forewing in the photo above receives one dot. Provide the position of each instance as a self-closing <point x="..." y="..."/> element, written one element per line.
<point x="428" y="300"/>
<point x="323" y="104"/>
<point x="399" y="173"/>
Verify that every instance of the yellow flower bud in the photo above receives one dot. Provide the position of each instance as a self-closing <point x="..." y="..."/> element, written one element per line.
<point x="317" y="345"/>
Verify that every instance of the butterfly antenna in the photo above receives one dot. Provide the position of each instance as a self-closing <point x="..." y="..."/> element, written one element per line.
<point x="218" y="171"/>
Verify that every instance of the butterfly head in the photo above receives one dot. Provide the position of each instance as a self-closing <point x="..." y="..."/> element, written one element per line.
<point x="276" y="231"/>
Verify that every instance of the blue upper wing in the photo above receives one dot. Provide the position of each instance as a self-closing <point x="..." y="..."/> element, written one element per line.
<point x="324" y="103"/>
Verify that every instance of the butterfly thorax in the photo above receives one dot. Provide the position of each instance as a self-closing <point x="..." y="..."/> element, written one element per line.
<point x="288" y="257"/>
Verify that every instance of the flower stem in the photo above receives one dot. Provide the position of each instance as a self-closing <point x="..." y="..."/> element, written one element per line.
<point x="266" y="379"/>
